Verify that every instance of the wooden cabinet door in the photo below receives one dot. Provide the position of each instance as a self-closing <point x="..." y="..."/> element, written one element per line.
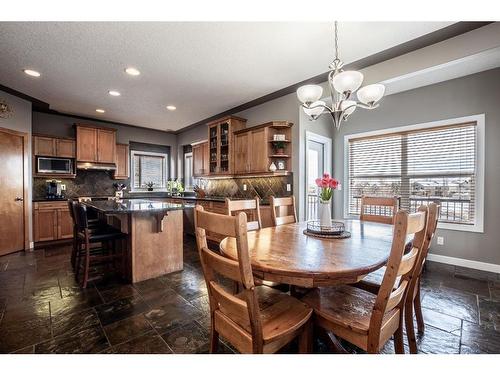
<point x="45" y="146"/>
<point x="122" y="162"/>
<point x="65" y="148"/>
<point x="64" y="224"/>
<point x="45" y="224"/>
<point x="86" y="144"/>
<point x="241" y="147"/>
<point x="258" y="150"/>
<point x="206" y="166"/>
<point x="198" y="160"/>
<point x="106" y="145"/>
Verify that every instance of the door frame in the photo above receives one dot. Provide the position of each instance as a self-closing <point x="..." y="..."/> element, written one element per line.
<point x="26" y="177"/>
<point x="327" y="159"/>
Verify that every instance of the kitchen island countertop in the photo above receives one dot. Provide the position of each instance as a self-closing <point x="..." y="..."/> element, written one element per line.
<point x="126" y="206"/>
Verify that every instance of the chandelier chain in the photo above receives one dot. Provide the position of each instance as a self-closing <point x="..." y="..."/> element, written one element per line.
<point x="336" y="40"/>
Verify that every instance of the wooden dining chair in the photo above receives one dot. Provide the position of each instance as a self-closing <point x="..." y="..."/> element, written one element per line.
<point x="283" y="204"/>
<point x="258" y="319"/>
<point x="378" y="209"/>
<point x="250" y="206"/>
<point x="373" y="282"/>
<point x="365" y="319"/>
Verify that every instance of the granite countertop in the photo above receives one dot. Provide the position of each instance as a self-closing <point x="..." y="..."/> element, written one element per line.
<point x="126" y="206"/>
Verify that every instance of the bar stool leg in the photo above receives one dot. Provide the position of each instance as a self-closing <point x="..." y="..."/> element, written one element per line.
<point x="87" y="262"/>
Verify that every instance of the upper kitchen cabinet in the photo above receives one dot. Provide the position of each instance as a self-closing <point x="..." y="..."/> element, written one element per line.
<point x="53" y="146"/>
<point x="95" y="145"/>
<point x="200" y="159"/>
<point x="122" y="162"/>
<point x="220" y="144"/>
<point x="256" y="148"/>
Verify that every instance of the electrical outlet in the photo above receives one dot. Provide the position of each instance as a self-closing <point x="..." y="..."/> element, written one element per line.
<point x="63" y="187"/>
<point x="244" y="187"/>
<point x="288" y="187"/>
<point x="440" y="240"/>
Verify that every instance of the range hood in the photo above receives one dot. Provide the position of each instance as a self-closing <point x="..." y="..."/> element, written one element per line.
<point x="96" y="166"/>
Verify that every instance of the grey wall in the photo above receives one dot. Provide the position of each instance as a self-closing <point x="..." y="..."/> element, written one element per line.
<point x="471" y="95"/>
<point x="50" y="124"/>
<point x="21" y="121"/>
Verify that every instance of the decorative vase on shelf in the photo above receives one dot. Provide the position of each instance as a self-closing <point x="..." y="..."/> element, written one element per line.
<point x="325" y="213"/>
<point x="272" y="167"/>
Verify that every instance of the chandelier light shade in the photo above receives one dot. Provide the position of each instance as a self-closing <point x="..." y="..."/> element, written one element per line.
<point x="371" y="94"/>
<point x="347" y="82"/>
<point x="309" y="93"/>
<point x="342" y="84"/>
<point x="316" y="109"/>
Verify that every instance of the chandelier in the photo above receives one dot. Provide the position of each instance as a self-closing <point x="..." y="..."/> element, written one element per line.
<point x="342" y="85"/>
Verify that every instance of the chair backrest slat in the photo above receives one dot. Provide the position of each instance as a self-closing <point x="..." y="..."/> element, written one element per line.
<point x="81" y="217"/>
<point x="226" y="267"/>
<point x="287" y="203"/>
<point x="378" y="209"/>
<point x="251" y="206"/>
<point x="232" y="307"/>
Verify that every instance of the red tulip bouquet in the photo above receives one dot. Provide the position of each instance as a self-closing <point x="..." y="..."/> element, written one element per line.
<point x="326" y="185"/>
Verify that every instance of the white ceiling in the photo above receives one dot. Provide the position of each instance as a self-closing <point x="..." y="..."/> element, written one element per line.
<point x="202" y="68"/>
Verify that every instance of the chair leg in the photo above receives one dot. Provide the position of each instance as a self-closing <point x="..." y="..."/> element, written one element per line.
<point x="214" y="339"/>
<point x="410" y="330"/>
<point x="77" y="259"/>
<point x="418" y="310"/>
<point x="306" y="338"/>
<point x="73" y="251"/>
<point x="399" y="346"/>
<point x="87" y="264"/>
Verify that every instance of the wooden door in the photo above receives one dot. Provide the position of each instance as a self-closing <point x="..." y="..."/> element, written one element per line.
<point x="258" y="150"/>
<point x="65" y="148"/>
<point x="122" y="162"/>
<point x="86" y="144"/>
<point x="241" y="147"/>
<point x="44" y="146"/>
<point x="106" y="144"/>
<point x="45" y="224"/>
<point x="13" y="188"/>
<point x="64" y="224"/>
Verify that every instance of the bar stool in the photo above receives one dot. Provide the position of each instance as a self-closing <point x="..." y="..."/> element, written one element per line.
<point x="93" y="223"/>
<point x="102" y="233"/>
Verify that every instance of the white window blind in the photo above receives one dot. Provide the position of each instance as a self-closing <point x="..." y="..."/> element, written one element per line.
<point x="149" y="167"/>
<point x="418" y="166"/>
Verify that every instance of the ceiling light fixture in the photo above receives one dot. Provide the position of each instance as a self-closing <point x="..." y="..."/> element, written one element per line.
<point x="113" y="93"/>
<point x="32" y="73"/>
<point x="342" y="85"/>
<point x="171" y="107"/>
<point x="99" y="110"/>
<point x="132" y="71"/>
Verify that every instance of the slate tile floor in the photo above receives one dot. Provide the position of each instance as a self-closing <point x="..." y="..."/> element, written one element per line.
<point x="43" y="310"/>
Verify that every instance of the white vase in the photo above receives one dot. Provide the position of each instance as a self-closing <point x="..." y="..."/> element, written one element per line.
<point x="325" y="212"/>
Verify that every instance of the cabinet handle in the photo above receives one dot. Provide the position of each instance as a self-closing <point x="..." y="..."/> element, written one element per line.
<point x="19" y="199"/>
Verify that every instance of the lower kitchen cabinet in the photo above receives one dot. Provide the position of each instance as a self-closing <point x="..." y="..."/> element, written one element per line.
<point x="51" y="221"/>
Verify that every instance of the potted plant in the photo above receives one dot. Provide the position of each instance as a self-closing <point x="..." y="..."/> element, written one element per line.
<point x="150" y="185"/>
<point x="278" y="147"/>
<point x="326" y="186"/>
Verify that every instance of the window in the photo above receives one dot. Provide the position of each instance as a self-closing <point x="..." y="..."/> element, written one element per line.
<point x="188" y="171"/>
<point x="420" y="164"/>
<point x="149" y="167"/>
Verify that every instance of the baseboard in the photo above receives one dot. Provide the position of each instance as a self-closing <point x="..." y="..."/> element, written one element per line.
<point x="489" y="267"/>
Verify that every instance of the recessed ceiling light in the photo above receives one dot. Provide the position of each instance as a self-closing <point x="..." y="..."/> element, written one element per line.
<point x="100" y="110"/>
<point x="32" y="73"/>
<point x="132" y="71"/>
<point x="171" y="107"/>
<point x="113" y="93"/>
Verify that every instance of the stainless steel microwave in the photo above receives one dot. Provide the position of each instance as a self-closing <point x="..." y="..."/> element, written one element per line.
<point x="54" y="165"/>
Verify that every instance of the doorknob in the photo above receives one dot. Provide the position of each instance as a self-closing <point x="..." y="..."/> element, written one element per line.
<point x="19" y="199"/>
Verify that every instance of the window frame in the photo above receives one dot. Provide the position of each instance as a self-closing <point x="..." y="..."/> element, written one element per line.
<point x="479" y="119"/>
<point x="166" y="157"/>
<point x="186" y="186"/>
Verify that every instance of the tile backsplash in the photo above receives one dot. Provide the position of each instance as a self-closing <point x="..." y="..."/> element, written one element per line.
<point x="100" y="183"/>
<point x="263" y="187"/>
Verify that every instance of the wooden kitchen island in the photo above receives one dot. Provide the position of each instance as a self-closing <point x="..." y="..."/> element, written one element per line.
<point x="155" y="234"/>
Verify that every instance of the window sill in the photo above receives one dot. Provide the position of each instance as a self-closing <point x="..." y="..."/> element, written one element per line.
<point x="148" y="191"/>
<point x="478" y="228"/>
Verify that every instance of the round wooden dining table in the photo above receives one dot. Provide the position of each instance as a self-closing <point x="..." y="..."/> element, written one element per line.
<point x="284" y="254"/>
